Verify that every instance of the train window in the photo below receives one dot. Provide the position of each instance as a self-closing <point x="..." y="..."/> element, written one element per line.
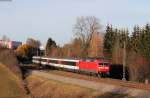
<point x="44" y="60"/>
<point x="103" y="64"/>
<point x="36" y="58"/>
<point x="53" y="61"/>
<point x="68" y="63"/>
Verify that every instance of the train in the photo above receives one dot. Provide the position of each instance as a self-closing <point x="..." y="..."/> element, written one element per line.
<point x="97" y="66"/>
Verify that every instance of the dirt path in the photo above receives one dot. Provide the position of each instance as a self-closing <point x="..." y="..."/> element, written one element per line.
<point x="103" y="87"/>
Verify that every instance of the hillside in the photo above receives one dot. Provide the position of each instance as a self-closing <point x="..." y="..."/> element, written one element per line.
<point x="44" y="88"/>
<point x="9" y="59"/>
<point x="10" y="84"/>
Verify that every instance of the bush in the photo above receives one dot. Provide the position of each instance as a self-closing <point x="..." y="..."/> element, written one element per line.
<point x="138" y="67"/>
<point x="25" y="52"/>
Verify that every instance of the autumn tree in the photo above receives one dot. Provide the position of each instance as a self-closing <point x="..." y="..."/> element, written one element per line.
<point x="76" y="45"/>
<point x="84" y="29"/>
<point x="72" y="49"/>
<point x="22" y="52"/>
<point x="67" y="51"/>
<point x="96" y="45"/>
<point x="26" y="51"/>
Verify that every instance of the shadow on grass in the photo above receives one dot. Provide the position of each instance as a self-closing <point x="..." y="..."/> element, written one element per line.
<point x="113" y="95"/>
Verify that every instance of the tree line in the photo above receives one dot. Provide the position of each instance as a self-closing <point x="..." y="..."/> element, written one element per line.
<point x="137" y="49"/>
<point x="90" y="41"/>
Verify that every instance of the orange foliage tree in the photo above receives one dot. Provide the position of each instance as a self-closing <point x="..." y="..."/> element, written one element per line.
<point x="23" y="51"/>
<point x="96" y="45"/>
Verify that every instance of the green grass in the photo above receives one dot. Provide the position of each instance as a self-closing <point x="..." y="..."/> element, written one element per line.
<point x="9" y="84"/>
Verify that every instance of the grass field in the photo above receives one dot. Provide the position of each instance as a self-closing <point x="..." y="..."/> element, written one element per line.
<point x="9" y="84"/>
<point x="44" y="88"/>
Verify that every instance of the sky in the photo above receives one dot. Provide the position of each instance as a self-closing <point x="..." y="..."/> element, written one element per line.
<point x="41" y="19"/>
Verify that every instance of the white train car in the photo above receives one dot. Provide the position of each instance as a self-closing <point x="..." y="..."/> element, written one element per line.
<point x="60" y="63"/>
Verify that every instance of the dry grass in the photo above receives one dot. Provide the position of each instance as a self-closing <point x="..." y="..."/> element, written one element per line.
<point x="10" y="84"/>
<point x="9" y="59"/>
<point x="43" y="88"/>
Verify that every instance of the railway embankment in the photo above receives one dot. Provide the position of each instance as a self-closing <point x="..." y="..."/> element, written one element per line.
<point x="11" y="84"/>
<point x="46" y="88"/>
<point x="12" y="76"/>
<point x="98" y="86"/>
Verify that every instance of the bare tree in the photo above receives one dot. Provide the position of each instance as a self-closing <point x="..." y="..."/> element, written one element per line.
<point x="5" y="38"/>
<point x="33" y="43"/>
<point x="84" y="29"/>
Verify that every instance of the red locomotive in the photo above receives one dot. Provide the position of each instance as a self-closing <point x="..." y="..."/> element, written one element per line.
<point x="97" y="66"/>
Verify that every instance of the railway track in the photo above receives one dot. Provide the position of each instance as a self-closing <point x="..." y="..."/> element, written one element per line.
<point x="102" y="85"/>
<point x="101" y="80"/>
<point x="94" y="79"/>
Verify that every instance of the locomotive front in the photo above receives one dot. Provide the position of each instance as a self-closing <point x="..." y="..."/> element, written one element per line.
<point x="103" y="67"/>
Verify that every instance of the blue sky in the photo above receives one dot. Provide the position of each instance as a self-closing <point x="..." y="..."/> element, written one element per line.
<point x="41" y="19"/>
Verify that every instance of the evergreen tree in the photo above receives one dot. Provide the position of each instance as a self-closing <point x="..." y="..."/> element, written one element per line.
<point x="135" y="39"/>
<point x="123" y="37"/>
<point x="109" y="40"/>
<point x="50" y="44"/>
<point x="145" y="42"/>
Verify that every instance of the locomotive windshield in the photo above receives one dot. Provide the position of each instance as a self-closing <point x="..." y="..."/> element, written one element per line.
<point x="104" y="64"/>
<point x="88" y="59"/>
